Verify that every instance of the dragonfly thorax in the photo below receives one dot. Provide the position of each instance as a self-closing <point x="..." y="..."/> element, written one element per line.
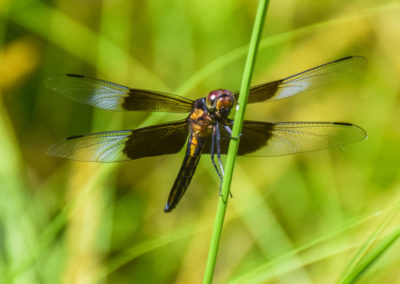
<point x="220" y="102"/>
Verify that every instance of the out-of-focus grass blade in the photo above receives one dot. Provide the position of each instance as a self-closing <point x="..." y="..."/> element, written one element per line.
<point x="17" y="229"/>
<point x="52" y="230"/>
<point x="67" y="33"/>
<point x="18" y="234"/>
<point x="371" y="258"/>
<point x="271" y="230"/>
<point x="275" y="267"/>
<point x="145" y="247"/>
<point x="361" y="257"/>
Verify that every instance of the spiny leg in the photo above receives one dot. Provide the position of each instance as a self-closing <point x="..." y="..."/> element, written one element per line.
<point x="212" y="158"/>
<point x="229" y="130"/>
<point x="218" y="137"/>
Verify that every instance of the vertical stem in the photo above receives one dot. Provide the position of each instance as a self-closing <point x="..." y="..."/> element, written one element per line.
<point x="234" y="143"/>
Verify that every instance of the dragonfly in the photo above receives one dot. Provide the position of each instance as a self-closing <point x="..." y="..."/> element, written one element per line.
<point x="207" y="128"/>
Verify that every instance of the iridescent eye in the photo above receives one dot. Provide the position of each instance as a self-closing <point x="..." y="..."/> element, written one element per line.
<point x="211" y="101"/>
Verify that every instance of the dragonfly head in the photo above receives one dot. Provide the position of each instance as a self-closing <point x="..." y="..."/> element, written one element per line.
<point x="220" y="102"/>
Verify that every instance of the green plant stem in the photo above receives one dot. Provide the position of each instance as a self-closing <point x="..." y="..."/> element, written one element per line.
<point x="234" y="143"/>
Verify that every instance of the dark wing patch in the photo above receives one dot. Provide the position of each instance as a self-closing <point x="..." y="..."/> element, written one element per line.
<point x="111" y="96"/>
<point x="123" y="145"/>
<point x="254" y="136"/>
<point x="304" y="81"/>
<point x="160" y="139"/>
<point x="283" y="138"/>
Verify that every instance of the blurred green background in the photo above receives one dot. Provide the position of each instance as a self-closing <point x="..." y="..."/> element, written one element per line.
<point x="293" y="219"/>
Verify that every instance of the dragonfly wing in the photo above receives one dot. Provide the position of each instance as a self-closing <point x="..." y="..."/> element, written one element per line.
<point x="124" y="145"/>
<point x="111" y="96"/>
<point x="283" y="138"/>
<point x="306" y="80"/>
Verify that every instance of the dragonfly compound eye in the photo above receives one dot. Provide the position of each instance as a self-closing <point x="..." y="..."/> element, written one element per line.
<point x="212" y="99"/>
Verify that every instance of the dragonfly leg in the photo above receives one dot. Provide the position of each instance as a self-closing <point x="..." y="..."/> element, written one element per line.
<point x="229" y="131"/>
<point x="213" y="137"/>
<point x="218" y="137"/>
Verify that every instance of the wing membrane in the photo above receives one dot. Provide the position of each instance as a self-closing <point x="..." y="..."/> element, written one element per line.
<point x="110" y="96"/>
<point x="124" y="145"/>
<point x="306" y="80"/>
<point x="283" y="138"/>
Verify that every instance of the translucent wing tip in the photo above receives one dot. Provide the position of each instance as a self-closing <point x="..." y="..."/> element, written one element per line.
<point x="54" y="150"/>
<point x="49" y="82"/>
<point x="359" y="58"/>
<point x="53" y="82"/>
<point x="60" y="149"/>
<point x="358" y="132"/>
<point x="354" y="61"/>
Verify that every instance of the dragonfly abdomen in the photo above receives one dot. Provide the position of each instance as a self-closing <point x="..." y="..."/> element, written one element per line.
<point x="186" y="172"/>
